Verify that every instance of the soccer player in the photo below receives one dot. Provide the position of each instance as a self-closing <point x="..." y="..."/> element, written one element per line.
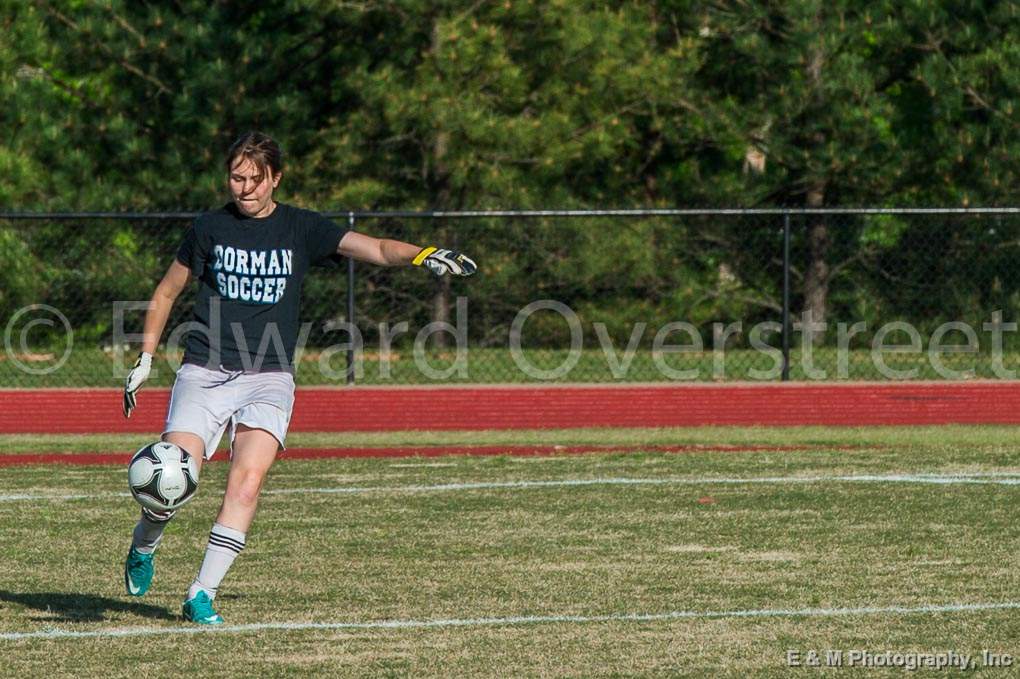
<point x="249" y="257"/>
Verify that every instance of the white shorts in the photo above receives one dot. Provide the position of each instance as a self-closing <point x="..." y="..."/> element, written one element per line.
<point x="205" y="402"/>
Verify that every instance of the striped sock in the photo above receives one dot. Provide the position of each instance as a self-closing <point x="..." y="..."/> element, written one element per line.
<point x="224" y="546"/>
<point x="149" y="531"/>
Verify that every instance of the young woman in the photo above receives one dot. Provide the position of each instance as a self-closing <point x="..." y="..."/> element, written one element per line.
<point x="250" y="258"/>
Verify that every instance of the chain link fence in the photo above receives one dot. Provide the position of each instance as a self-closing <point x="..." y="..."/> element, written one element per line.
<point x="561" y="296"/>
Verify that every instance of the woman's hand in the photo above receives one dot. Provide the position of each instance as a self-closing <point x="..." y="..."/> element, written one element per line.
<point x="139" y="373"/>
<point x="441" y="262"/>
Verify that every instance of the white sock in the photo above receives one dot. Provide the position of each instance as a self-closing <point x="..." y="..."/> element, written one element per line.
<point x="149" y="531"/>
<point x="224" y="546"/>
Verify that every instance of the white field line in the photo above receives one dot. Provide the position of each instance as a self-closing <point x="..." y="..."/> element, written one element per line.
<point x="990" y="478"/>
<point x="508" y="621"/>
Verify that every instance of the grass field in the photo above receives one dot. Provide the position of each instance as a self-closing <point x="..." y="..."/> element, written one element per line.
<point x="649" y="564"/>
<point x="95" y="368"/>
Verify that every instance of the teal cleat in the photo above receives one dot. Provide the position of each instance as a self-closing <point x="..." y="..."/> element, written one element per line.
<point x="138" y="570"/>
<point x="199" y="609"/>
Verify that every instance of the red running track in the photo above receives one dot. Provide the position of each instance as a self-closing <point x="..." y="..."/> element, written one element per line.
<point x="548" y="407"/>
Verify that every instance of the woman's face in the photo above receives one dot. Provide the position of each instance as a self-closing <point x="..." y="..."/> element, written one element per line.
<point x="253" y="198"/>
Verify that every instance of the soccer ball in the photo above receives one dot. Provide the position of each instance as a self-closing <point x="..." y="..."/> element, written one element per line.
<point x="162" y="476"/>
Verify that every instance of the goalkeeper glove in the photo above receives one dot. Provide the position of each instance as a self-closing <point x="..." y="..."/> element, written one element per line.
<point x="440" y="261"/>
<point x="139" y="373"/>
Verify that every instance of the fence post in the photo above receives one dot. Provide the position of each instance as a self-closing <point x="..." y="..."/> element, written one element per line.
<point x="786" y="297"/>
<point x="350" y="307"/>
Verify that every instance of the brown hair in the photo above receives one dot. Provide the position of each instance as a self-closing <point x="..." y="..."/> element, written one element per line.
<point x="260" y="149"/>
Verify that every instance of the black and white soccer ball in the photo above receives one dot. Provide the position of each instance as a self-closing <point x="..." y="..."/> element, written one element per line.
<point x="162" y="476"/>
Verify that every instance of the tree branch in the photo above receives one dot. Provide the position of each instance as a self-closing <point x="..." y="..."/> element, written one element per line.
<point x="123" y="23"/>
<point x="126" y="65"/>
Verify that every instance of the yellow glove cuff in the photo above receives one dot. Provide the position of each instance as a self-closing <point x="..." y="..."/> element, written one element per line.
<point x="420" y="257"/>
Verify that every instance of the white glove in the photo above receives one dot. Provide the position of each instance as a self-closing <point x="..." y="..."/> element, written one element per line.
<point x="139" y="373"/>
<point x="440" y="261"/>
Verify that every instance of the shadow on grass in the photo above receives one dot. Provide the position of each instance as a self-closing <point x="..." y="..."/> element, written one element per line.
<point x="63" y="607"/>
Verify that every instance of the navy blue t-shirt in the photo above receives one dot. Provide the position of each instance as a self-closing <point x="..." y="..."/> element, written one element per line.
<point x="250" y="272"/>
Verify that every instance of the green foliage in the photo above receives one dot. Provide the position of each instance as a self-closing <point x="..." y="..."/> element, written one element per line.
<point x="20" y="282"/>
<point x="456" y="104"/>
<point x="413" y="104"/>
